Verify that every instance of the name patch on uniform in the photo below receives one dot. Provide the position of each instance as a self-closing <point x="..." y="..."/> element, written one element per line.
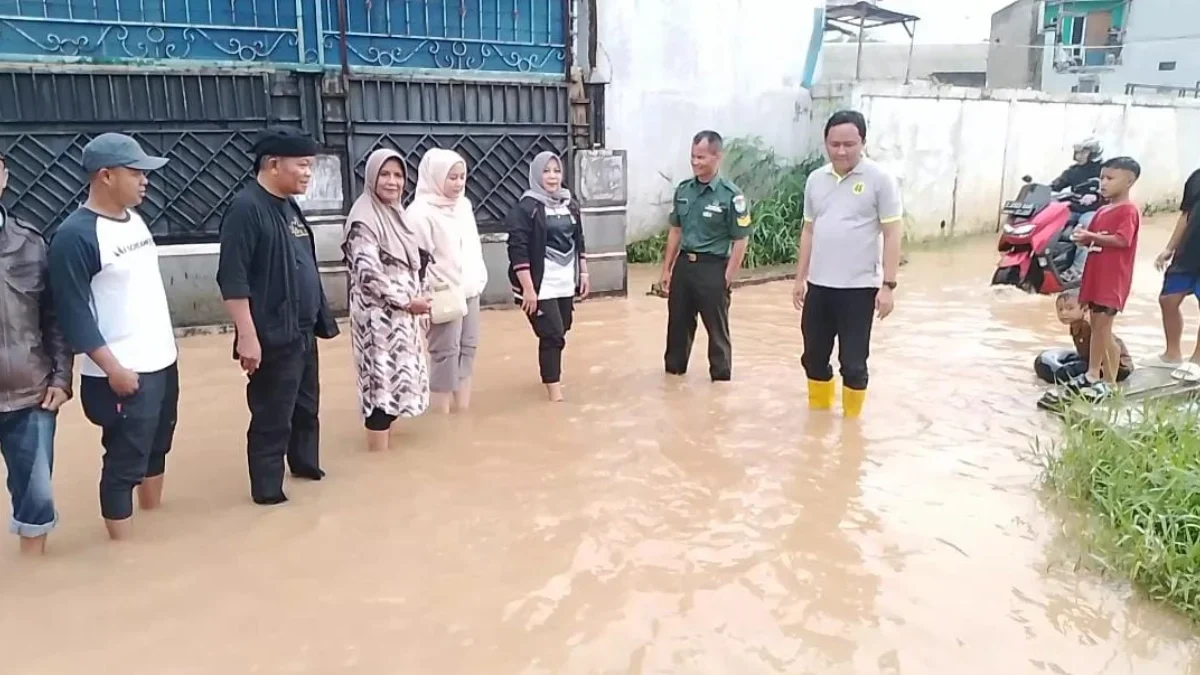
<point x="739" y="206"/>
<point x="859" y="187"/>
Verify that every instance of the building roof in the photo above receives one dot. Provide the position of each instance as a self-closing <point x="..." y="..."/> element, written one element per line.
<point x="843" y="16"/>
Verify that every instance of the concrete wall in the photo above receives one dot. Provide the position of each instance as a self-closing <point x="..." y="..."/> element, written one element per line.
<point x="1157" y="31"/>
<point x="887" y="61"/>
<point x="960" y="152"/>
<point x="1011" y="62"/>
<point x="674" y="67"/>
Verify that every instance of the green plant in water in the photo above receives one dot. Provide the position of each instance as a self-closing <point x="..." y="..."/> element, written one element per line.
<point x="774" y="189"/>
<point x="1139" y="484"/>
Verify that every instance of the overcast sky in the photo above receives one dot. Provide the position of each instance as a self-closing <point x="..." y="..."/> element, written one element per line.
<point x="945" y="21"/>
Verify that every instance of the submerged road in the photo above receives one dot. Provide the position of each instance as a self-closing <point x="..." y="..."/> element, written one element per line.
<point x="648" y="525"/>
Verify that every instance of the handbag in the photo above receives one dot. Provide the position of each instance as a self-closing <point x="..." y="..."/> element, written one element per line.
<point x="447" y="303"/>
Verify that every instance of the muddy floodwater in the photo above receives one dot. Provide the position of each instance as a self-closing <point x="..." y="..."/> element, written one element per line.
<point x="648" y="525"/>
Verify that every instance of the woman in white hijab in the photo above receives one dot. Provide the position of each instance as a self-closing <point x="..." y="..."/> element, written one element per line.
<point x="445" y="218"/>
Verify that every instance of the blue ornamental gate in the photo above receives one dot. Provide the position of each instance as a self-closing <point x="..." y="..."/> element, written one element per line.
<point x="194" y="80"/>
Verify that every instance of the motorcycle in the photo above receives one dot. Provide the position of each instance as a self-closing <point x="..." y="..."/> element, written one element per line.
<point x="1037" y="253"/>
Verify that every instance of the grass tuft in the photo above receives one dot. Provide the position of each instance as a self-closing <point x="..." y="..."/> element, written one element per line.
<point x="1138" y="481"/>
<point x="774" y="188"/>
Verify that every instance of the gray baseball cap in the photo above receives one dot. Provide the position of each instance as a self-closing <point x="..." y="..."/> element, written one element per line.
<point x="109" y="151"/>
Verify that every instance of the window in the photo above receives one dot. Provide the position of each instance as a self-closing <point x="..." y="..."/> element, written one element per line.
<point x="1090" y="40"/>
<point x="1166" y="65"/>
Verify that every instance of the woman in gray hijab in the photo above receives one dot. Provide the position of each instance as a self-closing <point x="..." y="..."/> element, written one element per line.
<point x="547" y="265"/>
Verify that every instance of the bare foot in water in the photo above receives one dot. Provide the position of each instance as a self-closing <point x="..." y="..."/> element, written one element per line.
<point x="378" y="441"/>
<point x="554" y="391"/>
<point x="33" y="546"/>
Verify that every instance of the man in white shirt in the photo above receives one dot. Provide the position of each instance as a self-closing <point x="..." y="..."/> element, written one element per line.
<point x="112" y="306"/>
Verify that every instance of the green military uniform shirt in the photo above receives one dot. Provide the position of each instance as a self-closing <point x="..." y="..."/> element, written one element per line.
<point x="712" y="215"/>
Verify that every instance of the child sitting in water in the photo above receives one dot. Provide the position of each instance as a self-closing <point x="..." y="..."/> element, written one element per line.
<point x="1059" y="366"/>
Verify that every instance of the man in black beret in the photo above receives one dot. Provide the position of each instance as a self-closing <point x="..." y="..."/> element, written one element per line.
<point x="272" y="290"/>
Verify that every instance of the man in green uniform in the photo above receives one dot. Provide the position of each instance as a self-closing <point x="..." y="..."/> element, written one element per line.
<point x="710" y="227"/>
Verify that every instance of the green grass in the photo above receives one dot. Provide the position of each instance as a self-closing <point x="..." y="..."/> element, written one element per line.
<point x="774" y="188"/>
<point x="1138" y="486"/>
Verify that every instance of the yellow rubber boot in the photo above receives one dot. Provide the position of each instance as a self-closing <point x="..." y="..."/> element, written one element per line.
<point x="852" y="401"/>
<point x="820" y="395"/>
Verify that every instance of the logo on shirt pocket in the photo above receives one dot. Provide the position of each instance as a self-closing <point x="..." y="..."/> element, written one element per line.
<point x="859" y="187"/>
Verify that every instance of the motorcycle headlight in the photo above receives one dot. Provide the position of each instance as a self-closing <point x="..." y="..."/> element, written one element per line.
<point x="1019" y="230"/>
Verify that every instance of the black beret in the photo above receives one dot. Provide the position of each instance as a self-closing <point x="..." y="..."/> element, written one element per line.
<point x="284" y="142"/>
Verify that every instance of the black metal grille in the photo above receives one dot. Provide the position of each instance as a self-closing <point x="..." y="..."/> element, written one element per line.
<point x="497" y="127"/>
<point x="203" y="123"/>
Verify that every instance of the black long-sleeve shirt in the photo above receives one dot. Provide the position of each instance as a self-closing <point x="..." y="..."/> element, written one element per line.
<point x="268" y="257"/>
<point x="1075" y="175"/>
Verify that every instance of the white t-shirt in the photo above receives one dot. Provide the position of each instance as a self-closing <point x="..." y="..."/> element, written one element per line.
<point x="558" y="276"/>
<point x="108" y="291"/>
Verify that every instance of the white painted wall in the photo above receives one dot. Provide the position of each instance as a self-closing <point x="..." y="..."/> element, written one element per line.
<point x="674" y="67"/>
<point x="888" y="61"/>
<point x="960" y="152"/>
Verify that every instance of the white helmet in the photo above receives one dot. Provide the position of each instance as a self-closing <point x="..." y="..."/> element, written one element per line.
<point x="1093" y="147"/>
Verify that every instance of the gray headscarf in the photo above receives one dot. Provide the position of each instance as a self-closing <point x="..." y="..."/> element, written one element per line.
<point x="559" y="197"/>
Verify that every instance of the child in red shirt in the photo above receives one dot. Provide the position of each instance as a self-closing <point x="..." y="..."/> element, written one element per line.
<point x="1108" y="274"/>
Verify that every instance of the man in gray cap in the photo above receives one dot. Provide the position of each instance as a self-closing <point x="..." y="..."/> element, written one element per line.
<point x="112" y="307"/>
<point x="272" y="291"/>
<point x="35" y="378"/>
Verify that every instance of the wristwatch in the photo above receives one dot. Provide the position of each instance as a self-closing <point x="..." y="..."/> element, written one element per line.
<point x="890" y="285"/>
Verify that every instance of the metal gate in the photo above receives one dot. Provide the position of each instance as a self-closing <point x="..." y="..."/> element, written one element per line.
<point x="204" y="123"/>
<point x="497" y="127"/>
<point x="194" y="80"/>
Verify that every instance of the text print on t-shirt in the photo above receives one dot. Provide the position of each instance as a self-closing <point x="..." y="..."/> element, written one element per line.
<point x="130" y="248"/>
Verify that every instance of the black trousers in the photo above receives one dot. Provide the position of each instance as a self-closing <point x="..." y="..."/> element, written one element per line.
<point x="845" y="315"/>
<point x="551" y="322"/>
<point x="136" y="432"/>
<point x="698" y="287"/>
<point x="379" y="420"/>
<point x="284" y="399"/>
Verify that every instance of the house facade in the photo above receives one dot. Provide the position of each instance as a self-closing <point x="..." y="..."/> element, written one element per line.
<point x="1097" y="46"/>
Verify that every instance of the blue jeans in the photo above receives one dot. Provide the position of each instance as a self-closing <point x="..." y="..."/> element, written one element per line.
<point x="27" y="443"/>
<point x="1081" y="252"/>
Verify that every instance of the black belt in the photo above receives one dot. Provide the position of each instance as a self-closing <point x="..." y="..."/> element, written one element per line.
<point x="704" y="257"/>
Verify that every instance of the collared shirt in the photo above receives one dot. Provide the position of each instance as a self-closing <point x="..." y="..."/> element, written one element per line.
<point x="712" y="215"/>
<point x="846" y="215"/>
<point x="268" y="257"/>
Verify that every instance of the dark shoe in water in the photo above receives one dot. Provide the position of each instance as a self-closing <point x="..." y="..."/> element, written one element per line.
<point x="272" y="500"/>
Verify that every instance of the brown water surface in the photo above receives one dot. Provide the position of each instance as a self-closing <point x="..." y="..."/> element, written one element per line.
<point x="649" y="525"/>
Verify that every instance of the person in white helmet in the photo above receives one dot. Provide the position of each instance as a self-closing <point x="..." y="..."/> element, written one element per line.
<point x="1088" y="157"/>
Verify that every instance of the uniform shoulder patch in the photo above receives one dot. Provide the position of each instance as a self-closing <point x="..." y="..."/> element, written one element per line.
<point x="739" y="207"/>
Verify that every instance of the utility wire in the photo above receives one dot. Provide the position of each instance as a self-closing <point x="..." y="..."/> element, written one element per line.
<point x="1013" y="45"/>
